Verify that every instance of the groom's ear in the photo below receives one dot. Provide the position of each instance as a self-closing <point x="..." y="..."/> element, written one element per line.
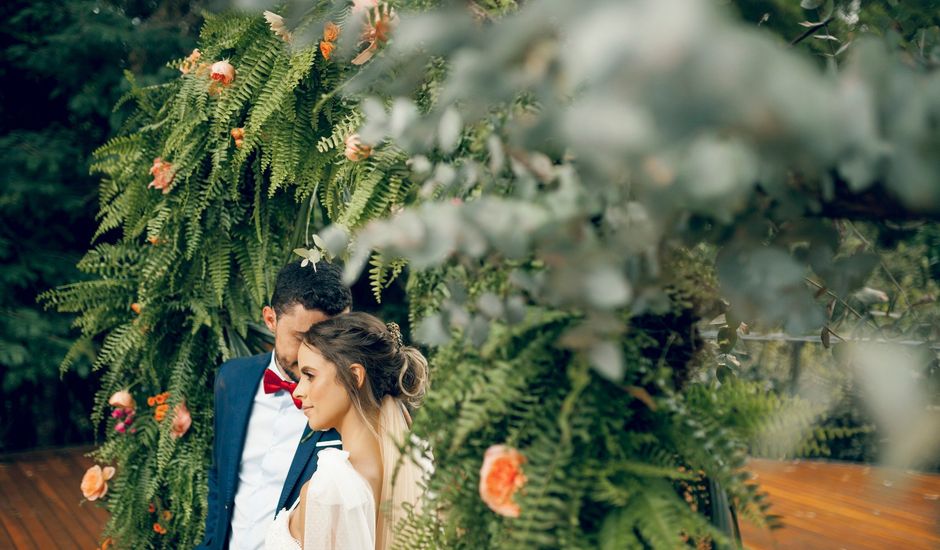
<point x="270" y="318"/>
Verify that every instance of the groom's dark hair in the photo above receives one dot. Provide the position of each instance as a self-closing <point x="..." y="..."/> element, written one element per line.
<point x="321" y="288"/>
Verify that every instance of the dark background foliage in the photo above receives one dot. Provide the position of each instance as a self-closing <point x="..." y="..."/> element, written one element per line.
<point x="61" y="73"/>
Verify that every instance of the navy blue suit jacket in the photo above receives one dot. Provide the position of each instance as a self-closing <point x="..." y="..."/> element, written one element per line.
<point x="235" y="387"/>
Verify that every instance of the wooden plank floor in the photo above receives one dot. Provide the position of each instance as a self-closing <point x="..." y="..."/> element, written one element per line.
<point x="846" y="506"/>
<point x="41" y="501"/>
<point x="824" y="505"/>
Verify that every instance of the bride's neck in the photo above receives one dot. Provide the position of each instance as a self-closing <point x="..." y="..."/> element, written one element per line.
<point x="358" y="439"/>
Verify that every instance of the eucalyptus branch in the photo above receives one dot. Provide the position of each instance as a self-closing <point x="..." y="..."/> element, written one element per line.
<point x="809" y="32"/>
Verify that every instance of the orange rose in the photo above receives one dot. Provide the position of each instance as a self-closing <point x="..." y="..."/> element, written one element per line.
<point x="167" y="515"/>
<point x="160" y="412"/>
<point x="181" y="421"/>
<point x="330" y="31"/>
<point x="122" y="399"/>
<point x="500" y="477"/>
<point x="161" y="398"/>
<point x="355" y="149"/>
<point x="159" y="528"/>
<point x="95" y="482"/>
<point x="326" y="48"/>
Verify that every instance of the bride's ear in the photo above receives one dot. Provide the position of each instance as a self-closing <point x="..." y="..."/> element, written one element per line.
<point x="359" y="373"/>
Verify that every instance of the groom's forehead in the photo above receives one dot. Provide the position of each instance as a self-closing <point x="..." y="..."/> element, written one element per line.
<point x="298" y="318"/>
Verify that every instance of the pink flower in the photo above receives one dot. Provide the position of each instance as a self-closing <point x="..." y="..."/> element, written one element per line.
<point x="181" y="421"/>
<point x="120" y="427"/>
<point x="222" y="71"/>
<point x="95" y="482"/>
<point x="123" y="400"/>
<point x="500" y="477"/>
<point x="117" y="413"/>
<point x="163" y="174"/>
<point x="355" y="149"/>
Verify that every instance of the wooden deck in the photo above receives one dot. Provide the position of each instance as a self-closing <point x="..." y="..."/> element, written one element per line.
<point x="824" y="505"/>
<point x="40" y="501"/>
<point x="846" y="506"/>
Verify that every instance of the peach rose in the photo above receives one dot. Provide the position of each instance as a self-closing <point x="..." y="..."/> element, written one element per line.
<point x="162" y="173"/>
<point x="181" y="421"/>
<point x="122" y="400"/>
<point x="500" y="477"/>
<point x="95" y="482"/>
<point x="191" y="61"/>
<point x="355" y="149"/>
<point x="222" y="71"/>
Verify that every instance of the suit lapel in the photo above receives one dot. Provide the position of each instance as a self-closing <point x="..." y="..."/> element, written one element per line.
<point x="242" y="399"/>
<point x="305" y="450"/>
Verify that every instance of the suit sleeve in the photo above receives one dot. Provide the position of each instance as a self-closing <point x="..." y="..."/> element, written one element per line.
<point x="212" y="514"/>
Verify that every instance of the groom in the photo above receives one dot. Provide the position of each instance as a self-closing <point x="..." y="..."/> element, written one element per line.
<point x="263" y="450"/>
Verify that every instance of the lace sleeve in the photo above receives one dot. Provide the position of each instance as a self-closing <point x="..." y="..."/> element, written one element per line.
<point x="340" y="512"/>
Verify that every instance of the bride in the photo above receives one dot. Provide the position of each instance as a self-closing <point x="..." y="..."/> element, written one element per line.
<point x="357" y="377"/>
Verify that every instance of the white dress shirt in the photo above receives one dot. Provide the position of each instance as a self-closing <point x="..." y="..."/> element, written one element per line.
<point x="274" y="430"/>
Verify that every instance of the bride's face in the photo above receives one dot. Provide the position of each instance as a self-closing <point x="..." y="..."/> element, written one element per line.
<point x="325" y="401"/>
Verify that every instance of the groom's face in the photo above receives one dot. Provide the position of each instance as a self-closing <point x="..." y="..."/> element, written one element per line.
<point x="289" y="328"/>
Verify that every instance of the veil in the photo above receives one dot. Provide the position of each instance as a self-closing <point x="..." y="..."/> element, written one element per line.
<point x="402" y="480"/>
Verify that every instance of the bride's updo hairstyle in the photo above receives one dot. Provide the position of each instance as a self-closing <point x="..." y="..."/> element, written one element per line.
<point x="392" y="368"/>
<point x="396" y="379"/>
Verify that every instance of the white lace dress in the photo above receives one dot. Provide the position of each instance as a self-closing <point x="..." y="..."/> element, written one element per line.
<point x="340" y="512"/>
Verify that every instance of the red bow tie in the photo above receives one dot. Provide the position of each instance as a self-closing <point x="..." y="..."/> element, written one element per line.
<point x="274" y="383"/>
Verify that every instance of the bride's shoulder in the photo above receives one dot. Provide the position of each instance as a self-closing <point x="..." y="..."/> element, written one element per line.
<point x="336" y="481"/>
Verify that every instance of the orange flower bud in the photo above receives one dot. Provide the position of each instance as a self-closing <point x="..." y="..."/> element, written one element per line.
<point x="500" y="477"/>
<point x="326" y="49"/>
<point x="135" y="307"/>
<point x="151" y="508"/>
